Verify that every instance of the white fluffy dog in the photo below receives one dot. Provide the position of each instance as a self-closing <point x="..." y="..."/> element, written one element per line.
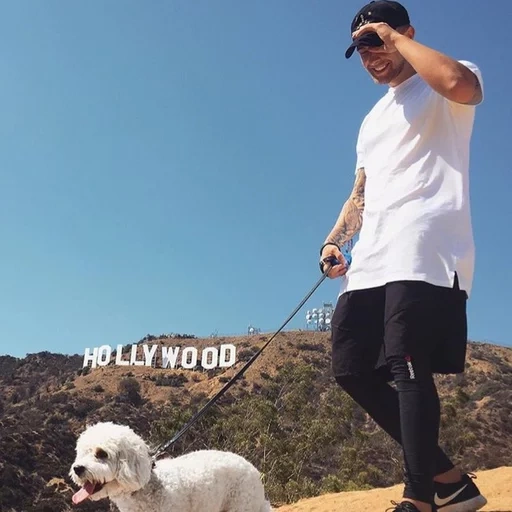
<point x="113" y="461"/>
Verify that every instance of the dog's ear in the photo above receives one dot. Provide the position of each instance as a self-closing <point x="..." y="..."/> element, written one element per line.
<point x="134" y="467"/>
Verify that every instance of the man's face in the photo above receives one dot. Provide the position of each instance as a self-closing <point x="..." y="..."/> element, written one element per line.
<point x="384" y="67"/>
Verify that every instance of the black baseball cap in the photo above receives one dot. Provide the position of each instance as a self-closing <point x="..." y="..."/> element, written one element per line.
<point x="379" y="11"/>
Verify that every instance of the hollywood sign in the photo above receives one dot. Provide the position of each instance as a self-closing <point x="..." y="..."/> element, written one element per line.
<point x="211" y="357"/>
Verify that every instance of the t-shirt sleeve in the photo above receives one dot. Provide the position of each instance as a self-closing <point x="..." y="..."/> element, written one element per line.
<point x="476" y="70"/>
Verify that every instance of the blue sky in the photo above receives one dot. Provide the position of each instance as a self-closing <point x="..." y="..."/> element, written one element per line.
<point x="174" y="166"/>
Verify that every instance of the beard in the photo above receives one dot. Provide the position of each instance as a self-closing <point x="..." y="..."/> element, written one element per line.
<point x="389" y="74"/>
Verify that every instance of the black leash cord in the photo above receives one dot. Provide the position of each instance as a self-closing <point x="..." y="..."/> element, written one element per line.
<point x="162" y="448"/>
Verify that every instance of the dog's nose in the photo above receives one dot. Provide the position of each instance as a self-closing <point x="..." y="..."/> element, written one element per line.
<point x="79" y="470"/>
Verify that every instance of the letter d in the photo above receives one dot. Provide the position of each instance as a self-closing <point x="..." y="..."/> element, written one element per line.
<point x="223" y="361"/>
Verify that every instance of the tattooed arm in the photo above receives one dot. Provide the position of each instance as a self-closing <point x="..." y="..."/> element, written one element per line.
<point x="348" y="224"/>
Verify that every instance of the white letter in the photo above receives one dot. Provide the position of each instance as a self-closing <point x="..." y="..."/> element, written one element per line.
<point x="184" y="357"/>
<point x="223" y="363"/>
<point x="133" y="358"/>
<point x="90" y="357"/>
<point x="169" y="355"/>
<point x="215" y="358"/>
<point x="119" y="354"/>
<point x="148" y="355"/>
<point x="106" y="351"/>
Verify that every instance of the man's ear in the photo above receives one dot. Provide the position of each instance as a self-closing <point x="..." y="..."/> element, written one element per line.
<point x="410" y="32"/>
<point x="407" y="30"/>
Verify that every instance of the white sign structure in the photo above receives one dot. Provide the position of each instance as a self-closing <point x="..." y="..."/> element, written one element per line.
<point x="171" y="357"/>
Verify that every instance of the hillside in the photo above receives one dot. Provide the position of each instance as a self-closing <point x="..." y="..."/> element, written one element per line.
<point x="286" y="415"/>
<point x="494" y="484"/>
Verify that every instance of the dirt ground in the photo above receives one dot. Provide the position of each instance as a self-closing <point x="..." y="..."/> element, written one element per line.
<point x="495" y="485"/>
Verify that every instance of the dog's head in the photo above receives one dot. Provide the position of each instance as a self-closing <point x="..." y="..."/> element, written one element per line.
<point x="111" y="460"/>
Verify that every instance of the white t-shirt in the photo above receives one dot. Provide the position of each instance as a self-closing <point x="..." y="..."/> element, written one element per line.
<point x="414" y="146"/>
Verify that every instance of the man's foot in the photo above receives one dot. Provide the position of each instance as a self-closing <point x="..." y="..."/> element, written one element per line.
<point x="463" y="496"/>
<point x="405" y="506"/>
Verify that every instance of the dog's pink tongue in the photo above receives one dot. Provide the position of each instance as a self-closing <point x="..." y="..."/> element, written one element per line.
<point x="83" y="493"/>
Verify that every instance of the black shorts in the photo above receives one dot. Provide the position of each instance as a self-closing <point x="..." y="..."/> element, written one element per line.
<point x="400" y="319"/>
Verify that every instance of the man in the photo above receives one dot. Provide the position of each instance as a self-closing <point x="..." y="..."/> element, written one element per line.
<point x="401" y="313"/>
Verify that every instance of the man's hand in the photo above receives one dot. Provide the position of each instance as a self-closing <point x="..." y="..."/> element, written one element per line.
<point x="385" y="32"/>
<point x="336" y="270"/>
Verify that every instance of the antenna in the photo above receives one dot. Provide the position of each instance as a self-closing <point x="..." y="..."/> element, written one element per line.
<point x="320" y="318"/>
<point x="251" y="330"/>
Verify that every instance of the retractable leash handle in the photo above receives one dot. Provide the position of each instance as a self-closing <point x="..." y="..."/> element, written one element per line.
<point x="333" y="261"/>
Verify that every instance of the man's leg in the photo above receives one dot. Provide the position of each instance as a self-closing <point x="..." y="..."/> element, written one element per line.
<point x="380" y="401"/>
<point x="419" y="426"/>
<point x="411" y="335"/>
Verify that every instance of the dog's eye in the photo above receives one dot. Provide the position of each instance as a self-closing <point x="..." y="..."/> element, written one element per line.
<point x="101" y="454"/>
